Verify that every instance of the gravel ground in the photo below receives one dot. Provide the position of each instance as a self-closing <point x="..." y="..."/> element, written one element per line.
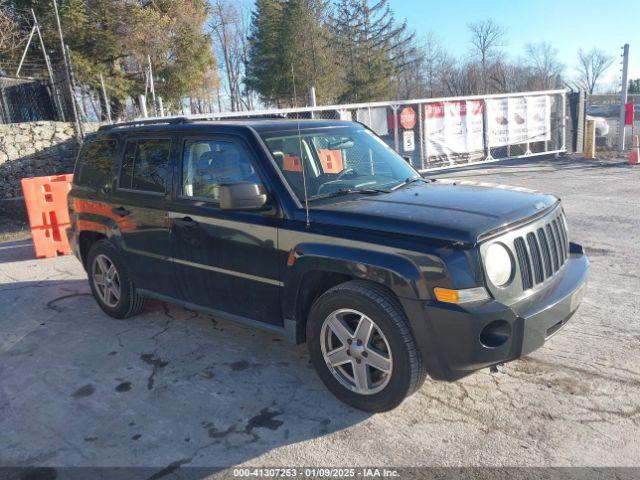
<point x="14" y="224"/>
<point x="172" y="388"/>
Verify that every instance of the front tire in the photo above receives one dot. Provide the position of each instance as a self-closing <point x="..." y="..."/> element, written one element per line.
<point x="111" y="283"/>
<point x="362" y="347"/>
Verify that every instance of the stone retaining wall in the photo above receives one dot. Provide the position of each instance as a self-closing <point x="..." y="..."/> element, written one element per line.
<point x="34" y="149"/>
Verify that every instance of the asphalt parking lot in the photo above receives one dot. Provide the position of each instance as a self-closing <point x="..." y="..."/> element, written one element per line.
<point x="172" y="388"/>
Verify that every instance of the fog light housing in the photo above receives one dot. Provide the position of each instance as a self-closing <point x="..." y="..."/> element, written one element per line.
<point x="495" y="334"/>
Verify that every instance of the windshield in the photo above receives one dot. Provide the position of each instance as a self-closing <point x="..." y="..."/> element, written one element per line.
<point x="336" y="161"/>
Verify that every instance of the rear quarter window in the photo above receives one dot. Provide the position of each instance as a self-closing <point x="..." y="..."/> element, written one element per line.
<point x="145" y="165"/>
<point x="96" y="165"/>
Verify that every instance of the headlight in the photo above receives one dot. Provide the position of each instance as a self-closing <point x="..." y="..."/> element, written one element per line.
<point x="498" y="264"/>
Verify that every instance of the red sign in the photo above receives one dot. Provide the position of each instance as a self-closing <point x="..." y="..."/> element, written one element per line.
<point x="434" y="110"/>
<point x="408" y="118"/>
<point x="628" y="114"/>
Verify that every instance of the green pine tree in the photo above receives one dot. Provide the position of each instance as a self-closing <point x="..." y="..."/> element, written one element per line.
<point x="291" y="40"/>
<point x="372" y="47"/>
<point x="308" y="51"/>
<point x="266" y="68"/>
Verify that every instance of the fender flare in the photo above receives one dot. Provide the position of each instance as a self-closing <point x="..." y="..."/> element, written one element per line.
<point x="398" y="273"/>
<point x="105" y="225"/>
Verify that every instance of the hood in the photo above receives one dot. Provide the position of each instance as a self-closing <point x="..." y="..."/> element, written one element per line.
<point x="448" y="210"/>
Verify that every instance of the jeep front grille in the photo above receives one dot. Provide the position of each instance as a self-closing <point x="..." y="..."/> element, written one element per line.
<point x="543" y="251"/>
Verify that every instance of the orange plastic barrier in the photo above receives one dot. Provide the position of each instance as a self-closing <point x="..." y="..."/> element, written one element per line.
<point x="331" y="160"/>
<point x="46" y="200"/>
<point x="292" y="163"/>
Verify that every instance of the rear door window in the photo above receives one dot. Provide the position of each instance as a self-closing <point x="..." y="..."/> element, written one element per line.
<point x="145" y="165"/>
<point x="97" y="162"/>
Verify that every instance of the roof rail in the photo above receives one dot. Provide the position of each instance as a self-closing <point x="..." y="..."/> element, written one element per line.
<point x="190" y="119"/>
<point x="146" y="121"/>
<point x="269" y="116"/>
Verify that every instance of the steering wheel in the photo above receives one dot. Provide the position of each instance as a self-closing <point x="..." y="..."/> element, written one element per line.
<point x="344" y="172"/>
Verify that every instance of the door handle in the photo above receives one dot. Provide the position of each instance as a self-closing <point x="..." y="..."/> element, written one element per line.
<point x="121" y="211"/>
<point x="186" y="222"/>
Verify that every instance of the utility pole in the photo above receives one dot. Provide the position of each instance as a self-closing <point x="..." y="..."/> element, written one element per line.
<point x="152" y="87"/>
<point x="72" y="97"/>
<point x="82" y="114"/>
<point x="24" y="54"/>
<point x="623" y="96"/>
<point x="107" y="106"/>
<point x="312" y="99"/>
<point x="143" y="106"/>
<point x="47" y="60"/>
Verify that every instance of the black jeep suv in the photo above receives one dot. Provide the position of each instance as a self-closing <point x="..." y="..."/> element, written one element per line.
<point x="319" y="231"/>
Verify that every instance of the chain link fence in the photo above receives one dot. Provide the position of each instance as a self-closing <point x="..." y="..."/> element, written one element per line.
<point x="28" y="99"/>
<point x="446" y="132"/>
<point x="605" y="109"/>
<point x="613" y="134"/>
<point x="25" y="100"/>
<point x="37" y="81"/>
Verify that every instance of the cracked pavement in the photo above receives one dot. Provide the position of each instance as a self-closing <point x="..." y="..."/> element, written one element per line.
<point x="173" y="388"/>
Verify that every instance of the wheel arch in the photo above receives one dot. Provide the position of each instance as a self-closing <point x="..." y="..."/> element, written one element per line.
<point x="94" y="221"/>
<point x="316" y="268"/>
<point x="86" y="239"/>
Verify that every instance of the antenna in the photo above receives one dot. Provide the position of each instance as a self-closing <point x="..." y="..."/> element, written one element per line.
<point x="304" y="175"/>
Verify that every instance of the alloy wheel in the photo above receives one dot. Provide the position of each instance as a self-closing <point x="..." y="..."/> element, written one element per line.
<point x="356" y="351"/>
<point x="106" y="280"/>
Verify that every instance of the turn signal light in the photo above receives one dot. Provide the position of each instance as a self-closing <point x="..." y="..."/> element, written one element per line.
<point x="466" y="295"/>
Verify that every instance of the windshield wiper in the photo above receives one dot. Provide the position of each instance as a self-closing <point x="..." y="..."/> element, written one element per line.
<point x="349" y="191"/>
<point x="409" y="181"/>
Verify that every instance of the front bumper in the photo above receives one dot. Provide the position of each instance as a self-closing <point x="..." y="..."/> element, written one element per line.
<point x="454" y="342"/>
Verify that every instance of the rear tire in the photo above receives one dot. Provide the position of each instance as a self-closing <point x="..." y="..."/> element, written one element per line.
<point x="111" y="283"/>
<point x="362" y="347"/>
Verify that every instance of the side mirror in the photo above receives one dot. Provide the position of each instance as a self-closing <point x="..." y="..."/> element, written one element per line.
<point x="241" y="196"/>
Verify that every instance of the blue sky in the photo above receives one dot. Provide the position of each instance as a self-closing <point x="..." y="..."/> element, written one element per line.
<point x="567" y="24"/>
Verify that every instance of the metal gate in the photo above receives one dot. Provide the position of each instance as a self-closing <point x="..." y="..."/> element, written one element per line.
<point x="444" y="132"/>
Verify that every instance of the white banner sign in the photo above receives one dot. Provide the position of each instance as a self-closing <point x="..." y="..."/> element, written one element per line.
<point x="453" y="127"/>
<point x="516" y="120"/>
<point x="517" y="108"/>
<point x="498" y="122"/>
<point x="539" y="118"/>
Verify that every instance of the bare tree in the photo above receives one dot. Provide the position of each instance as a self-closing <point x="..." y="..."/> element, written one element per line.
<point x="487" y="37"/>
<point x="513" y="76"/>
<point x="450" y="76"/>
<point x="423" y="77"/>
<point x="460" y="78"/>
<point x="8" y="29"/>
<point x="435" y="59"/>
<point x="228" y="26"/>
<point x="13" y="37"/>
<point x="592" y="65"/>
<point x="545" y="67"/>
